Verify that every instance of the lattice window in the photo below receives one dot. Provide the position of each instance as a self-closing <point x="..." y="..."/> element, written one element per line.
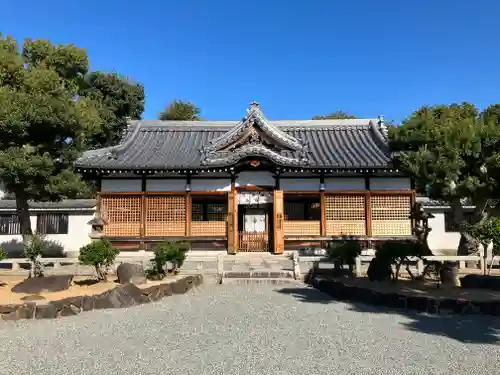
<point x="209" y="216"/>
<point x="55" y="223"/>
<point x="122" y="214"/>
<point x="302" y="215"/>
<point x="391" y="215"/>
<point x="345" y="215"/>
<point x="9" y="224"/>
<point x="197" y="211"/>
<point x="166" y="215"/>
<point x="302" y="208"/>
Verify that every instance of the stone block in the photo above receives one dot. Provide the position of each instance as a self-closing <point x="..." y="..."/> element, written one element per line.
<point x="131" y="273"/>
<point x="37" y="285"/>
<point x="122" y="296"/>
<point x="17" y="312"/>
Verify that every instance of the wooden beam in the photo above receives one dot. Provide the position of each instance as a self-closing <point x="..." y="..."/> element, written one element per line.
<point x="188" y="214"/>
<point x="143" y="211"/>
<point x="323" y="213"/>
<point x="368" y="213"/>
<point x="188" y="206"/>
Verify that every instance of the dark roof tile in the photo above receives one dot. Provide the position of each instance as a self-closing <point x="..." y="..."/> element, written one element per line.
<point x="66" y="204"/>
<point x="163" y="145"/>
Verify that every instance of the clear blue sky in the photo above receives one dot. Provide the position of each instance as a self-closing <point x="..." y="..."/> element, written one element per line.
<point x="298" y="58"/>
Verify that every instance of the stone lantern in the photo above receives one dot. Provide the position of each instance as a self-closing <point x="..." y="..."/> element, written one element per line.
<point x="97" y="224"/>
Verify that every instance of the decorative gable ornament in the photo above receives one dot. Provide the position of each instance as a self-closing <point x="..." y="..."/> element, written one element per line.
<point x="254" y="136"/>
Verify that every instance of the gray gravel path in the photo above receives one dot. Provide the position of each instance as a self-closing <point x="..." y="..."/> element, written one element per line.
<point x="241" y="329"/>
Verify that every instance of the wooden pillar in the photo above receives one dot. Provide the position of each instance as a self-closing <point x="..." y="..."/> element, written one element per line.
<point x="322" y="205"/>
<point x="142" y="233"/>
<point x="98" y="203"/>
<point x="188" y="207"/>
<point x="188" y="214"/>
<point x="323" y="213"/>
<point x="279" y="235"/>
<point x="368" y="208"/>
<point x="277" y="180"/>
<point x="232" y="222"/>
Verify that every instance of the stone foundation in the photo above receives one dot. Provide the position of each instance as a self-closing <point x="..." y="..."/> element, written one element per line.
<point x="428" y="304"/>
<point x="120" y="297"/>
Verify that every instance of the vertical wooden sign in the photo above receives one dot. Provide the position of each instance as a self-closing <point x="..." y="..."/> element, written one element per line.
<point x="279" y="236"/>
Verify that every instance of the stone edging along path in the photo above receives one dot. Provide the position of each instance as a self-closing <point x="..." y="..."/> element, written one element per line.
<point x="120" y="297"/>
<point x="429" y="304"/>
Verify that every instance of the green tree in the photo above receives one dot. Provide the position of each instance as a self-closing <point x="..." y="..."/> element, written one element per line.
<point x="337" y="115"/>
<point x="44" y="123"/>
<point x="486" y="232"/>
<point x="99" y="254"/>
<point x="181" y="111"/>
<point x="453" y="154"/>
<point x="119" y="99"/>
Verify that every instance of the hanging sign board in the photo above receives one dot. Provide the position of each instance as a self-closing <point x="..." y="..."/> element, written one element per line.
<point x="255" y="197"/>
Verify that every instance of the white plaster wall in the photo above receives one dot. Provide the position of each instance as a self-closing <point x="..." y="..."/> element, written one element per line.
<point x="209" y="184"/>
<point x="110" y="185"/>
<point x="77" y="236"/>
<point x="299" y="184"/>
<point x="257" y="178"/>
<point x="439" y="239"/>
<point x="390" y="183"/>
<point x="168" y="185"/>
<point x="339" y="183"/>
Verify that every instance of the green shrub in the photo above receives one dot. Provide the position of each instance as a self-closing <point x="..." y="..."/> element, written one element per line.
<point x="34" y="247"/>
<point x="344" y="251"/>
<point x="168" y="251"/>
<point x="100" y="254"/>
<point x="397" y="253"/>
<point x="486" y="232"/>
<point x="3" y="254"/>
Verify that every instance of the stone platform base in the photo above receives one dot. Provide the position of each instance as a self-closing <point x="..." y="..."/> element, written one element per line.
<point x="342" y="291"/>
<point x="120" y="297"/>
<point x="266" y="281"/>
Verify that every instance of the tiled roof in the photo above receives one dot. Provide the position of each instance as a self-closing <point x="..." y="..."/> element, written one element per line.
<point x="433" y="203"/>
<point x="164" y="145"/>
<point x="66" y="204"/>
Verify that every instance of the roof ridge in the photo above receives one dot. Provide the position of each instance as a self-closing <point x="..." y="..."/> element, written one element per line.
<point x="279" y="123"/>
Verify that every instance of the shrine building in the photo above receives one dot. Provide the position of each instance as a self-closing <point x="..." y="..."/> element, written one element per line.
<point x="252" y="185"/>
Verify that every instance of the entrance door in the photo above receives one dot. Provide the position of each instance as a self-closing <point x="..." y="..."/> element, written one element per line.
<point x="254" y="220"/>
<point x="254" y="235"/>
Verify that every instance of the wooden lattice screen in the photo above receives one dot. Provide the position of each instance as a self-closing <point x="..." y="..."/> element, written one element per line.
<point x="345" y="215"/>
<point x="165" y="215"/>
<point x="391" y="215"/>
<point x="122" y="215"/>
<point x="209" y="218"/>
<point x="302" y="218"/>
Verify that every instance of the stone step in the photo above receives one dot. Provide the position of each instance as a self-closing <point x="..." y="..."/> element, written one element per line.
<point x="258" y="274"/>
<point x="267" y="281"/>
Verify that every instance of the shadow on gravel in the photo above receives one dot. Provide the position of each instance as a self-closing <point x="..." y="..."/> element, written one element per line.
<point x="477" y="329"/>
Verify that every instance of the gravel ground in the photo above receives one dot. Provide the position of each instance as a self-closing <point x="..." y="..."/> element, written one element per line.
<point x="242" y="329"/>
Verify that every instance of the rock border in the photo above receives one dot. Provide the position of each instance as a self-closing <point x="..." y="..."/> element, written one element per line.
<point x="121" y="296"/>
<point x="426" y="304"/>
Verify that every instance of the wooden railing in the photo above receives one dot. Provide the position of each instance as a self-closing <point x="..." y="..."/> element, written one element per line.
<point x="302" y="227"/>
<point x="253" y="241"/>
<point x="208" y="228"/>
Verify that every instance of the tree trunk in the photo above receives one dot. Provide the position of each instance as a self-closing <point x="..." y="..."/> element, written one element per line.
<point x="101" y="275"/>
<point x="23" y="215"/>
